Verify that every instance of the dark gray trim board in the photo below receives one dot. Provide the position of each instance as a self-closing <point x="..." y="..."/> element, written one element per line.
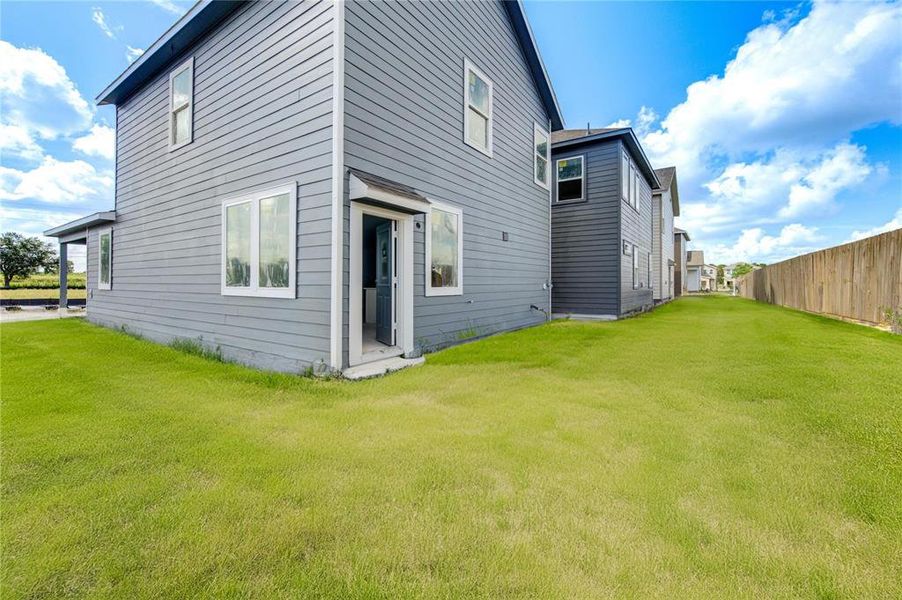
<point x="40" y="302"/>
<point x="82" y="224"/>
<point x="201" y="18"/>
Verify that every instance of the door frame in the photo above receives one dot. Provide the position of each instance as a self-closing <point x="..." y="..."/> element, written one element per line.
<point x="403" y="296"/>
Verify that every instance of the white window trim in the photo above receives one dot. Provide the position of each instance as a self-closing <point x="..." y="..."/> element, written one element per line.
<point x="634" y="200"/>
<point x="254" y="289"/>
<point x="189" y="66"/>
<point x="582" y="177"/>
<point x="635" y="265"/>
<point x="625" y="174"/>
<point x="445" y="291"/>
<point x="100" y="284"/>
<point x="547" y="183"/>
<point x="490" y="138"/>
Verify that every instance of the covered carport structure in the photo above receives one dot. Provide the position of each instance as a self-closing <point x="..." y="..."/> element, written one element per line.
<point x="75" y="232"/>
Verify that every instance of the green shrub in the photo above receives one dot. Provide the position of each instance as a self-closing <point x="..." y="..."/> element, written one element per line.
<point x="49" y="281"/>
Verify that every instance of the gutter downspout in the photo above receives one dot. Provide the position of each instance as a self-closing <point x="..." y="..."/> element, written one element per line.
<point x="550" y="237"/>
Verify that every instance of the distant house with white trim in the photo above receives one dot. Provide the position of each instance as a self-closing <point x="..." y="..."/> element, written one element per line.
<point x="680" y="272"/>
<point x="665" y="206"/>
<point x="602" y="263"/>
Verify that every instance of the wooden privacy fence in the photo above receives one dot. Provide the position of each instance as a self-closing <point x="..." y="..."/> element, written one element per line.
<point x="860" y="280"/>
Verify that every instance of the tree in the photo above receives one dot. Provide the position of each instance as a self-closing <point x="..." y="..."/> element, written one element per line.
<point x="720" y="269"/>
<point x="742" y="268"/>
<point x="21" y="256"/>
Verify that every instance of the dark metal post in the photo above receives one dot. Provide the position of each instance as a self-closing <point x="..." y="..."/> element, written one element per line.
<point x="64" y="276"/>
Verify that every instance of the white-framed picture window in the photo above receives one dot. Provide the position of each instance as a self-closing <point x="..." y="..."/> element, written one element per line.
<point x="444" y="251"/>
<point x="259" y="244"/>
<point x="636" y="281"/>
<point x="570" y="179"/>
<point x="105" y="259"/>
<point x="541" y="148"/>
<point x="477" y="109"/>
<point x="181" y="105"/>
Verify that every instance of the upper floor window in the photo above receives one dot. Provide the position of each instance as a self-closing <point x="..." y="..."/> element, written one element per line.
<point x="444" y="251"/>
<point x="634" y="197"/>
<point x="105" y="259"/>
<point x="625" y="177"/>
<point x="477" y="109"/>
<point x="541" y="148"/>
<point x="629" y="181"/>
<point x="259" y="244"/>
<point x="181" y="105"/>
<point x="570" y="178"/>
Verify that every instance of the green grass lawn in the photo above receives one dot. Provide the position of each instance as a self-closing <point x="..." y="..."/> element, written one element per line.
<point x="713" y="448"/>
<point x="42" y="294"/>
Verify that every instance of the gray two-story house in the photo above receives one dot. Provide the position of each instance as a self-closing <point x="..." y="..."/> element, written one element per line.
<point x="328" y="184"/>
<point x="602" y="263"/>
<point x="665" y="206"/>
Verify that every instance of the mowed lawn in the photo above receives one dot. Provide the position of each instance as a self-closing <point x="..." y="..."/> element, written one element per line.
<point x="713" y="448"/>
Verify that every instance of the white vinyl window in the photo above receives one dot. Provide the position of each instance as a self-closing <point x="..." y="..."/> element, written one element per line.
<point x="629" y="181"/>
<point x="105" y="259"/>
<point x="570" y="174"/>
<point x="636" y="282"/>
<point x="625" y="178"/>
<point x="477" y="109"/>
<point x="444" y="251"/>
<point x="181" y="105"/>
<point x="634" y="196"/>
<point x="259" y="244"/>
<point x="541" y="151"/>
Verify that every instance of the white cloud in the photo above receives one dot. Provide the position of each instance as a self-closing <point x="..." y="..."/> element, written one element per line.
<point x="101" y="141"/>
<point x="756" y="245"/>
<point x="56" y="182"/>
<point x="170" y="7"/>
<point x="891" y="225"/>
<point x="843" y="167"/>
<point x="767" y="141"/>
<point x="799" y="85"/>
<point x="16" y="141"/>
<point x="644" y="121"/>
<point x="132" y="54"/>
<point x="787" y="185"/>
<point x="100" y="20"/>
<point x="37" y="95"/>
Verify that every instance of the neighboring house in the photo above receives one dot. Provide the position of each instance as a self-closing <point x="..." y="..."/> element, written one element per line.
<point x="727" y="284"/>
<point x="324" y="184"/>
<point x="665" y="206"/>
<point x="695" y="262"/>
<point x="680" y="276"/>
<point x="709" y="278"/>
<point x="601" y="223"/>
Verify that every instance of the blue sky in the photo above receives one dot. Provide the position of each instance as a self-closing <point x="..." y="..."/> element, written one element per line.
<point x="784" y="120"/>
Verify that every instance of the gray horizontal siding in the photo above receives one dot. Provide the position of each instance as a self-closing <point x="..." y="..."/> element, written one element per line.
<point x="656" y="233"/>
<point x="636" y="228"/>
<point x="404" y="121"/>
<point x="262" y="117"/>
<point x="585" y="237"/>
